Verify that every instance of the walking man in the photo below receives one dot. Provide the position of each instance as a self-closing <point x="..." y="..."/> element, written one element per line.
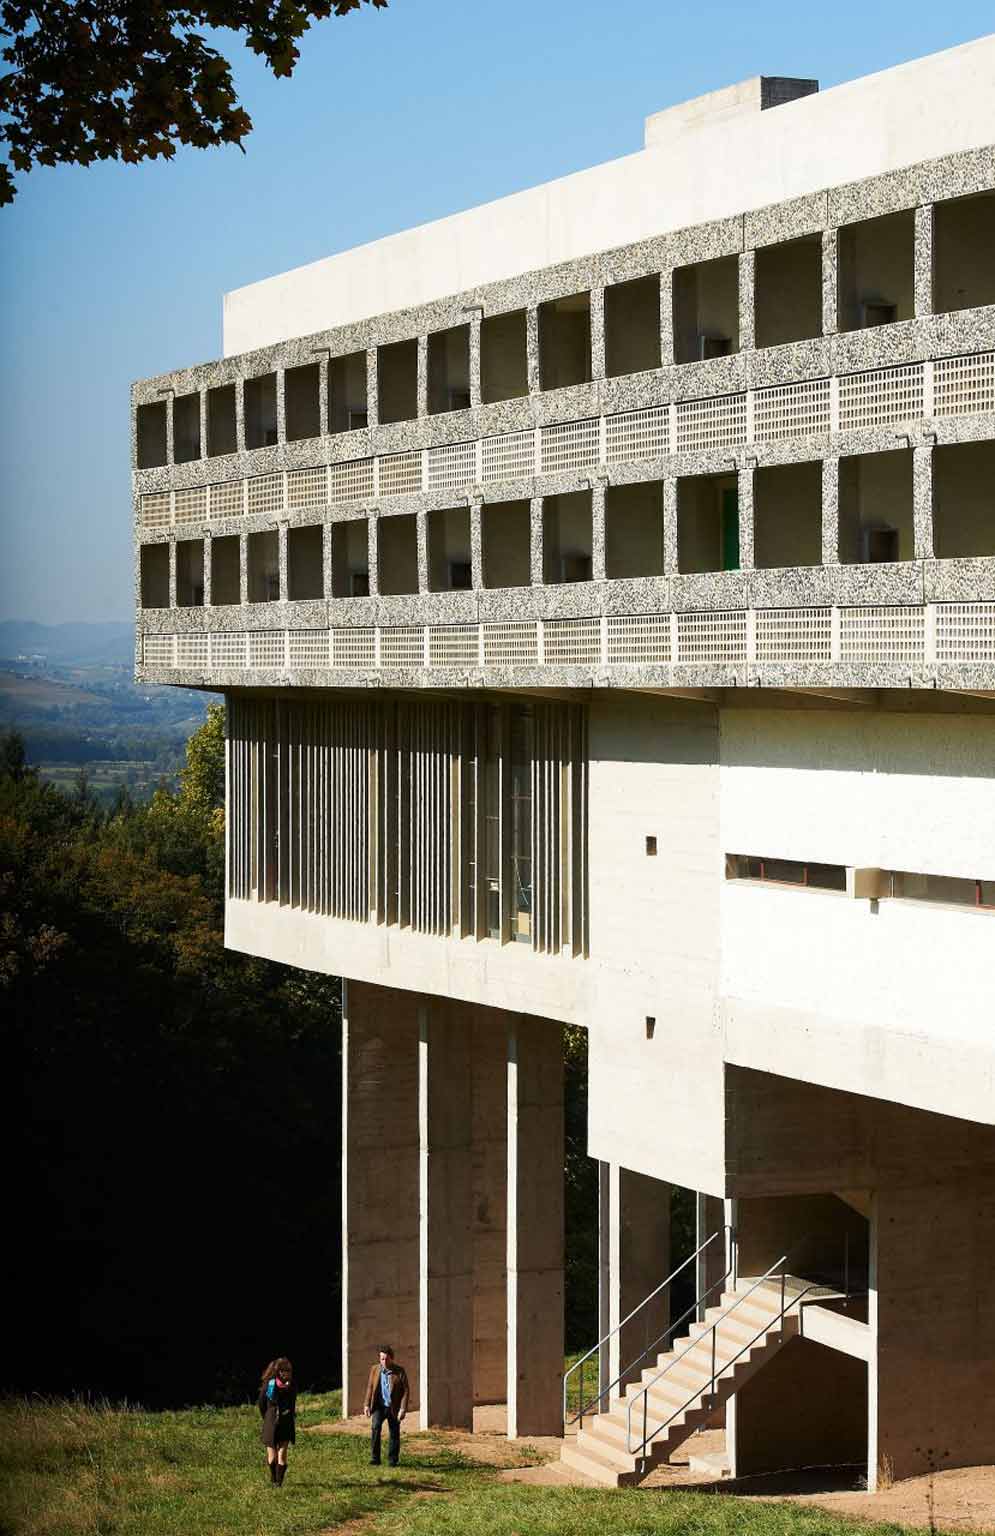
<point x="386" y="1398"/>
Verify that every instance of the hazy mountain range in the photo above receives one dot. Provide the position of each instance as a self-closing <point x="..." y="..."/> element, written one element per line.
<point x="111" y="643"/>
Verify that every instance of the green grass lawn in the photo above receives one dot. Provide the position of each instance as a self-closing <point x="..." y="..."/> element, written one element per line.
<point x="70" y="1470"/>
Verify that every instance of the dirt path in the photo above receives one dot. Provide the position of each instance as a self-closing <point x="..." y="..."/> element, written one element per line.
<point x="962" y="1500"/>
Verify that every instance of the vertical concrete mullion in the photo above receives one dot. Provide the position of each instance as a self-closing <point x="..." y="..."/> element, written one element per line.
<point x="477" y="545"/>
<point x="667" y="318"/>
<point x="597" y="332"/>
<point x="422" y="377"/>
<point x="207" y="568"/>
<point x="372" y="390"/>
<point x="831" y="511"/>
<point x="243" y="568"/>
<point x="172" y="573"/>
<point x="421" y="549"/>
<point x="281" y="405"/>
<point x="536" y="562"/>
<point x="747" y="301"/>
<point x="535" y="1226"/>
<point x="373" y="551"/>
<point x="671" y="553"/>
<point x="532" y="349"/>
<point x="598" y="531"/>
<point x="240" y="415"/>
<point x="830" y="282"/>
<point x="324" y="391"/>
<point x="170" y="439"/>
<point x="282" y="563"/>
<point x="475" y="321"/>
<point x="923" y="267"/>
<point x="745" y="481"/>
<point x="203" y="423"/>
<point x="326" y="560"/>
<point x="924" y="537"/>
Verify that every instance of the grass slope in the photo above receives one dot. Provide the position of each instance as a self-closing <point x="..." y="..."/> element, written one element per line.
<point x="71" y="1470"/>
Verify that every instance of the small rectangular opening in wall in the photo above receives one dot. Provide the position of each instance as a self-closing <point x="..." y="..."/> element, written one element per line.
<point x="964" y="500"/>
<point x="225" y="571"/>
<point x="875" y="507"/>
<point x="305" y="563"/>
<point x="301" y="388"/>
<point x="634" y="530"/>
<point x="186" y="428"/>
<point x="650" y="1026"/>
<point x="351" y="558"/>
<point x="706" y="309"/>
<point x="264" y="567"/>
<point x="506" y="528"/>
<point x="151" y="429"/>
<point x="565" y="341"/>
<point x="449" y="370"/>
<point x="397" y="381"/>
<point x="632" y="326"/>
<point x="950" y="890"/>
<point x="707" y="523"/>
<point x="221" y="434"/>
<point x="398" y="552"/>
<point x="567" y="542"/>
<point x="651" y="847"/>
<point x="155" y="575"/>
<point x="347" y="408"/>
<point x="190" y="573"/>
<point x="504" y="372"/>
<point x="788" y="291"/>
<point x="876" y="260"/>
<point x="260" y="411"/>
<point x="963" y="242"/>
<point x="449" y="565"/>
<point x="787" y="515"/>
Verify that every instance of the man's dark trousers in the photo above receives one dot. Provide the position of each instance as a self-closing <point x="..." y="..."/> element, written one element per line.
<point x="378" y="1413"/>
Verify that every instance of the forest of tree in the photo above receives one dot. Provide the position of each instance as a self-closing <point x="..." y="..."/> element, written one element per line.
<point x="173" y="1206"/>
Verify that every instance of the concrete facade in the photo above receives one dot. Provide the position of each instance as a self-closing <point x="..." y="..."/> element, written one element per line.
<point x="609" y="640"/>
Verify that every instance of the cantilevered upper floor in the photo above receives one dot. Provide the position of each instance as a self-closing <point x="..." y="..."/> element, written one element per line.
<point x="755" y="443"/>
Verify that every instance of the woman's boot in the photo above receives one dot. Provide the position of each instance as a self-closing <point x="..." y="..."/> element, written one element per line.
<point x="281" y="1473"/>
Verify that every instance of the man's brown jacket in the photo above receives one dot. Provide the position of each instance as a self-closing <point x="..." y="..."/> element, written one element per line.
<point x="398" y="1386"/>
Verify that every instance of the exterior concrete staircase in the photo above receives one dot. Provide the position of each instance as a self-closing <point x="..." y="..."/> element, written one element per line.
<point x="679" y="1391"/>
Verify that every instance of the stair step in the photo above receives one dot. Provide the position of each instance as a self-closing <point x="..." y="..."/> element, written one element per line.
<point x="591" y="1443"/>
<point x="592" y="1466"/>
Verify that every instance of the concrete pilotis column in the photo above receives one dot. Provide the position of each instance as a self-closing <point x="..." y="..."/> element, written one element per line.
<point x="489" y="1208"/>
<point x="380" y="1184"/>
<point x="446" y="1236"/>
<point x="535" y="1227"/>
<point x="639" y="1260"/>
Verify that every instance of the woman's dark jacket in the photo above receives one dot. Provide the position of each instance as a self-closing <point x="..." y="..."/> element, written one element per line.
<point x="278" y="1411"/>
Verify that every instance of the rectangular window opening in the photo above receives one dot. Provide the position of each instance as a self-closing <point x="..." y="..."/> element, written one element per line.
<point x="788" y="291"/>
<point x="397" y="381"/>
<point x="876" y="260"/>
<point x="190" y="573"/>
<point x="964" y="500"/>
<point x="151" y="429"/>
<point x="504" y="373"/>
<point x="351" y="558"/>
<point x="305" y="563"/>
<point x="449" y="560"/>
<point x="634" y="530"/>
<point x="706" y="310"/>
<point x="875" y="508"/>
<point x="347" y="407"/>
<point x="963" y="242"/>
<point x="221" y="431"/>
<point x="707" y="523"/>
<point x="186" y="428"/>
<point x="264" y="567"/>
<point x="154" y="561"/>
<point x="398" y="553"/>
<point x="225" y="571"/>
<point x="565" y="341"/>
<point x="301" y="392"/>
<point x="506" y="528"/>
<point x="449" y="370"/>
<point x="787" y="515"/>
<point x="260" y="411"/>
<point x="632" y="326"/>
<point x="818" y="877"/>
<point x="567" y="537"/>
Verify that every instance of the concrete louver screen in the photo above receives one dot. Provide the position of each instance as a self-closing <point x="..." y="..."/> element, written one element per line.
<point x="448" y="817"/>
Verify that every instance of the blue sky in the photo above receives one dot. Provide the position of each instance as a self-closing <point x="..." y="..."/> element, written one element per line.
<point x="393" y="117"/>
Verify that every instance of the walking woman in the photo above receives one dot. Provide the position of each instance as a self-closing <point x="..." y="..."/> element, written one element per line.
<point x="278" y="1404"/>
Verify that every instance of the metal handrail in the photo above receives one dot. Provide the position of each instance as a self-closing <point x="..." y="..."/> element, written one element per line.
<point x="579" y="1364"/>
<point x="725" y="1365"/>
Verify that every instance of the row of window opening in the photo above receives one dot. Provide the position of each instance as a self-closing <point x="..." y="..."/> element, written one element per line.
<point x="878" y="884"/>
<point x="876" y="286"/>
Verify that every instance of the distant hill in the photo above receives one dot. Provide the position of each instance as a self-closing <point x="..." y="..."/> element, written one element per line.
<point x="111" y="643"/>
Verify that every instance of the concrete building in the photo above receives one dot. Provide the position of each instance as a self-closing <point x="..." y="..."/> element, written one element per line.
<point x="602" y="585"/>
